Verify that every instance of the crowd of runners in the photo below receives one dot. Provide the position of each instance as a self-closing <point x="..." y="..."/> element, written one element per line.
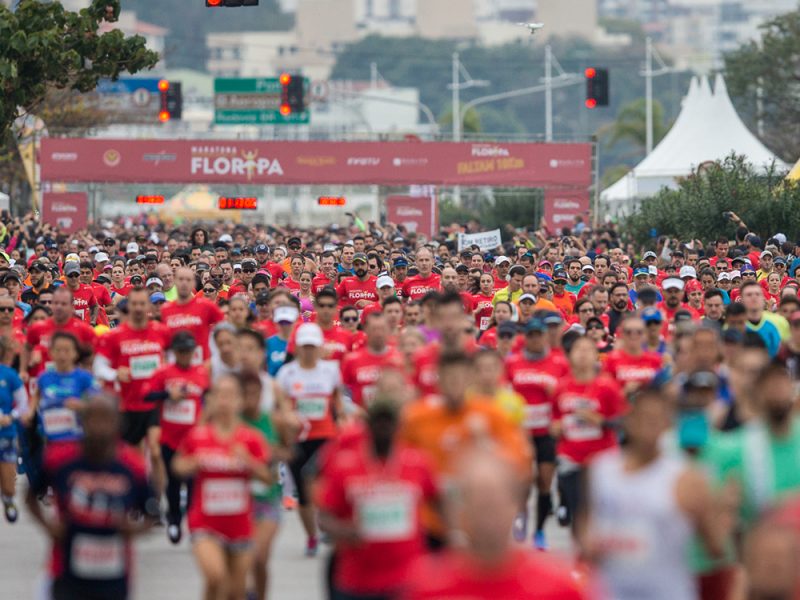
<point x="427" y="411"/>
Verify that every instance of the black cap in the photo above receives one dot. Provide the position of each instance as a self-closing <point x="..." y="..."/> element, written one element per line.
<point x="360" y="256"/>
<point x="183" y="341"/>
<point x="294" y="240"/>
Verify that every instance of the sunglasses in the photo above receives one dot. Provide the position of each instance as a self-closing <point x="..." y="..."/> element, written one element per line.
<point x="209" y="290"/>
<point x="73" y="275"/>
<point x="595" y="328"/>
<point x="248" y="270"/>
<point x="45" y="302"/>
<point x="8" y="309"/>
<point x="350" y="320"/>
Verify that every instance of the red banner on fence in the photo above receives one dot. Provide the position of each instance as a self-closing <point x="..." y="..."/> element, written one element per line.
<point x="307" y="163"/>
<point x="69" y="211"/>
<point x="562" y="206"/>
<point x="419" y="214"/>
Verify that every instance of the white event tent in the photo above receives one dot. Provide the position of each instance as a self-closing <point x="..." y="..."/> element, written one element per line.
<point x="707" y="129"/>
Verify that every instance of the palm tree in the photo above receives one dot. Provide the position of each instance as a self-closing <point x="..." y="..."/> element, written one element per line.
<point x="631" y="125"/>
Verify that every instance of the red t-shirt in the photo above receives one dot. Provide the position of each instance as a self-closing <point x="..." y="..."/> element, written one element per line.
<point x="426" y="363"/>
<point x="290" y="284"/>
<point x="39" y="336"/>
<point x="221" y="498"/>
<point x="580" y="440"/>
<point x="417" y="286"/>
<point x="83" y="300"/>
<point x="197" y="316"/>
<point x="484" y="315"/>
<point x="275" y="270"/>
<point x="499" y="283"/>
<point x="101" y="294"/>
<point x="177" y="418"/>
<point x="625" y="368"/>
<point x="267" y="328"/>
<point x="536" y="381"/>
<point x="319" y="282"/>
<point x="361" y="371"/>
<point x="523" y="575"/>
<point x="385" y="500"/>
<point x="141" y="351"/>
<point x="353" y="290"/>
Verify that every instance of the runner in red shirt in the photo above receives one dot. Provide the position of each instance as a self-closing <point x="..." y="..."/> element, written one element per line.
<point x="673" y="302"/>
<point x="338" y="341"/>
<point x="127" y="357"/>
<point x="361" y="370"/>
<point x="223" y="456"/>
<point x="83" y="298"/>
<point x="179" y="390"/>
<point x="370" y="498"/>
<point x="488" y="565"/>
<point x="630" y="365"/>
<point x="327" y="273"/>
<point x="37" y="343"/>
<point x="535" y="373"/>
<point x="425" y="281"/>
<point x="482" y="306"/>
<point x="359" y="290"/>
<point x="191" y="313"/>
<point x="585" y="408"/>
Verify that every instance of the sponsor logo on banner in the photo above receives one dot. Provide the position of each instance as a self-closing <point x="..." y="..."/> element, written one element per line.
<point x="416" y="214"/>
<point x="158" y="157"/>
<point x="408" y="211"/>
<point x="487" y="150"/>
<point x="363" y="161"/>
<point x="64" y="156"/>
<point x="562" y="206"/>
<point x="486" y="240"/>
<point x="562" y="163"/>
<point x="112" y="158"/>
<point x="231" y="160"/>
<point x="409" y="162"/>
<point x="316" y="161"/>
<point x="67" y="211"/>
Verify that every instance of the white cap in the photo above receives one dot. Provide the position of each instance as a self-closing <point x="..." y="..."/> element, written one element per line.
<point x="309" y="334"/>
<point x="530" y="297"/>
<point x="653" y="270"/>
<point x="72" y="257"/>
<point x="94" y="249"/>
<point x="780" y="238"/>
<point x="587" y="268"/>
<point x="153" y="280"/>
<point x="285" y="314"/>
<point x="725" y="276"/>
<point x="735" y="274"/>
<point x="649" y="254"/>
<point x="673" y="283"/>
<point x="329" y="247"/>
<point x="765" y="252"/>
<point x="101" y="257"/>
<point x="501" y="259"/>
<point x="384" y="281"/>
<point x="237" y="267"/>
<point x="132" y="248"/>
<point x="226" y="238"/>
<point x="687" y="271"/>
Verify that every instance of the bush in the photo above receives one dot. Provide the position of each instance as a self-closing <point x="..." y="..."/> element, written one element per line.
<point x="764" y="201"/>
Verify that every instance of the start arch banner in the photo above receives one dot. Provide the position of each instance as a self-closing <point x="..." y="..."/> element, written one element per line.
<point x="559" y="165"/>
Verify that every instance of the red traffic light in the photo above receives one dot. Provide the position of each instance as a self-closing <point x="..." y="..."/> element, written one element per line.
<point x="286" y="109"/>
<point x="591" y="103"/>
<point x="285" y="79"/>
<point x="213" y="2"/>
<point x="591" y="73"/>
<point x="163" y="116"/>
<point x="163" y="85"/>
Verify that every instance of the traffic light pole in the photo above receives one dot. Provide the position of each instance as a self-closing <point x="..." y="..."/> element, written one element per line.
<point x="548" y="93"/>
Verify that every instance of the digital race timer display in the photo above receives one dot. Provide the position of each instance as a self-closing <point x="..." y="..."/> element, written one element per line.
<point x="237" y="203"/>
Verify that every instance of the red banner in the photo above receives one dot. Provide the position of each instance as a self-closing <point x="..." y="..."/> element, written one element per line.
<point x="69" y="211"/>
<point x="562" y="206"/>
<point x="308" y="163"/>
<point x="419" y="214"/>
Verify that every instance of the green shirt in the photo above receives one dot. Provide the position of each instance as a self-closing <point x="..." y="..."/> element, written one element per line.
<point x="262" y="492"/>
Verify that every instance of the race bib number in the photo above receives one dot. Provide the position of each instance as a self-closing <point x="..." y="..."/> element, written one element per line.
<point x="387" y="515"/>
<point x="224" y="497"/>
<point x="197" y="357"/>
<point x="485" y="323"/>
<point x="578" y="430"/>
<point x="183" y="412"/>
<point x="314" y="408"/>
<point x="537" y="416"/>
<point x="144" y="366"/>
<point x="628" y="543"/>
<point x="58" y="421"/>
<point x="98" y="557"/>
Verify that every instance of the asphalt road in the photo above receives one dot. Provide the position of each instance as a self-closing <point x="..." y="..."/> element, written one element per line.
<point x="166" y="572"/>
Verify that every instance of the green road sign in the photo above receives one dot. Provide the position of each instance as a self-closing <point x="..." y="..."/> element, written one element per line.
<point x="254" y="101"/>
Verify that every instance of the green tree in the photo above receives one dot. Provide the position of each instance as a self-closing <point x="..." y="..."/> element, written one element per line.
<point x="770" y="65"/>
<point x="470" y="124"/>
<point x="43" y="46"/>
<point x="694" y="210"/>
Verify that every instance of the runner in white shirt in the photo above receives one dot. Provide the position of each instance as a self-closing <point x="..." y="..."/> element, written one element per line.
<point x="312" y="387"/>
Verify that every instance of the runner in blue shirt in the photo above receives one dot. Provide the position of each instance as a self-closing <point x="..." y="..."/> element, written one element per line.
<point x="62" y="391"/>
<point x="13" y="402"/>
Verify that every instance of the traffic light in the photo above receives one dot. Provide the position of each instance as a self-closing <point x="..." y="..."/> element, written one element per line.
<point x="171" y="100"/>
<point x="293" y="94"/>
<point x="222" y="3"/>
<point x="596" y="87"/>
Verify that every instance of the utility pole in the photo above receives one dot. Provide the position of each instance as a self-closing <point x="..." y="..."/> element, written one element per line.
<point x="456" y="98"/>
<point x="548" y="93"/>
<point x="373" y="75"/>
<point x="648" y="81"/>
